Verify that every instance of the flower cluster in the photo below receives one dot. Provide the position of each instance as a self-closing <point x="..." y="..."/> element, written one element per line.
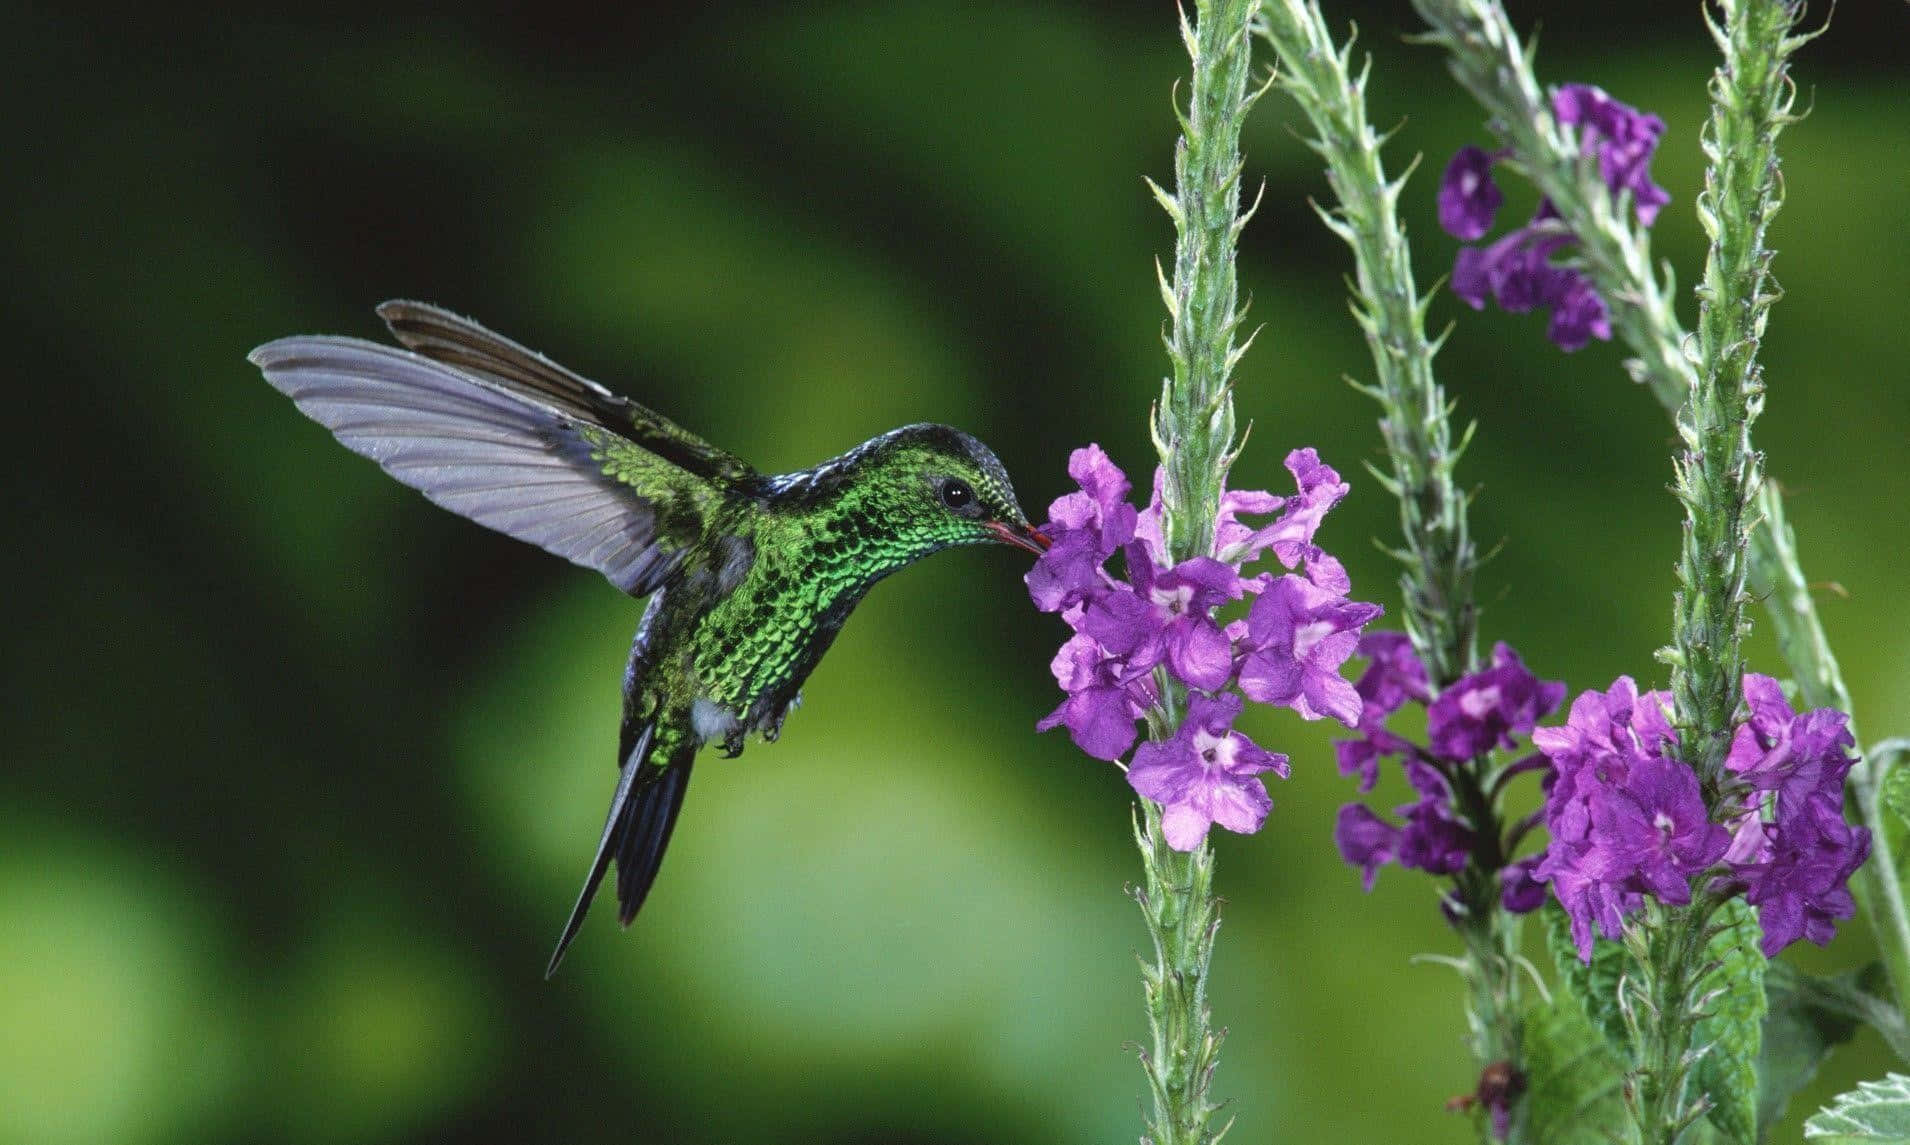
<point x="1287" y="650"/>
<point x="1628" y="819"/>
<point x="1517" y="271"/>
<point x="1476" y="715"/>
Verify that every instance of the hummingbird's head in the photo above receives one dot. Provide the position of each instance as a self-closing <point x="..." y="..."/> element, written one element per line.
<point x="930" y="487"/>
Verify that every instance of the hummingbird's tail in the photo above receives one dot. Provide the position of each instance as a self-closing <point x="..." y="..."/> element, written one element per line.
<point x="642" y="814"/>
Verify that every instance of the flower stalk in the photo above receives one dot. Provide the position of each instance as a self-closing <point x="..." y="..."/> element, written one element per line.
<point x="1438" y="555"/>
<point x="1661" y="1005"/>
<point x="1193" y="429"/>
<point x="1490" y="61"/>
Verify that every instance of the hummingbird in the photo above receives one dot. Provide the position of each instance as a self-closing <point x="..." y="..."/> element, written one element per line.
<point x="750" y="576"/>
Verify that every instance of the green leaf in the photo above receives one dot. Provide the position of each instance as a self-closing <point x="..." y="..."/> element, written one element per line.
<point x="1799" y="1032"/>
<point x="1573" y="1079"/>
<point x="1875" y="1113"/>
<point x="1594" y="985"/>
<point x="1896" y="784"/>
<point x="1733" y="1033"/>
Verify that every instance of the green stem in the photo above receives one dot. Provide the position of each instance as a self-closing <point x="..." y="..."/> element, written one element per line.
<point x="1193" y="428"/>
<point x="1194" y="421"/>
<point x="1439" y="559"/>
<point x="1662" y="1014"/>
<point x="1177" y="900"/>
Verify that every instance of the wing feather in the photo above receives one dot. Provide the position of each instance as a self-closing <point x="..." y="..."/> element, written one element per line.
<point x="503" y="457"/>
<point x="457" y="341"/>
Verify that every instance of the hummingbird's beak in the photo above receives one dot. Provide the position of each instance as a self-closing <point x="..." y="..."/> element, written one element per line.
<point x="1023" y="536"/>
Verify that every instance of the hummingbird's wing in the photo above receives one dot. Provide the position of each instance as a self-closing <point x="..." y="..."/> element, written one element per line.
<point x="457" y="341"/>
<point x="528" y="465"/>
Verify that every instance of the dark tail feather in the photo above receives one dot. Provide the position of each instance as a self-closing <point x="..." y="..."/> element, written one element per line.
<point x="652" y="817"/>
<point x="642" y="813"/>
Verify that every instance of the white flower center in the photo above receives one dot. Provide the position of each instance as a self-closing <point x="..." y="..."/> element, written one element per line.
<point x="1308" y="635"/>
<point x="1175" y="601"/>
<point x="1216" y="752"/>
<point x="1477" y="704"/>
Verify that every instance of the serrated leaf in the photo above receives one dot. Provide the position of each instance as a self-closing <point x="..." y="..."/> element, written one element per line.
<point x="1800" y="1030"/>
<point x="1733" y="1034"/>
<point x="1594" y="985"/>
<point x="1875" y="1113"/>
<point x="1573" y="1093"/>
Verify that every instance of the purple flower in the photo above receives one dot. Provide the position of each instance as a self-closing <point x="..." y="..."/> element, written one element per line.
<point x="1795" y="756"/>
<point x="1468" y="198"/>
<point x="1628" y="819"/>
<point x="1393" y="675"/>
<point x="1609" y="736"/>
<point x="1622" y="137"/>
<point x="1801" y="891"/>
<point x="1795" y="862"/>
<point x="1517" y="272"/>
<point x="1578" y="315"/>
<point x="1361" y="756"/>
<point x="1206" y="774"/>
<point x="1297" y="636"/>
<point x="1086" y="527"/>
<point x="1168" y="615"/>
<point x="1104" y="699"/>
<point x="1435" y="840"/>
<point x="1486" y="709"/>
<point x="1290" y="535"/>
<point x="1365" y="841"/>
<point x="1519" y="891"/>
<point x="1652" y="832"/>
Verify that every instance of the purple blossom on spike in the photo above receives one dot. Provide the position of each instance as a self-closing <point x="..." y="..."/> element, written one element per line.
<point x="1652" y="832"/>
<point x="1486" y="709"/>
<point x="1468" y="198"/>
<point x="1297" y="636"/>
<point x="1519" y="891"/>
<point x="1517" y="272"/>
<point x="1361" y="756"/>
<point x="1797" y="756"/>
<point x="1166" y="614"/>
<point x="1291" y="537"/>
<point x="1365" y="841"/>
<point x="1607" y="736"/>
<point x="1104" y="699"/>
<point x="1801" y="891"/>
<point x="1796" y="862"/>
<point x="1578" y="315"/>
<point x="1393" y="675"/>
<point x="1628" y="819"/>
<point x="1434" y="841"/>
<point x="1086" y="527"/>
<point x="1206" y="774"/>
<point x="1622" y="137"/>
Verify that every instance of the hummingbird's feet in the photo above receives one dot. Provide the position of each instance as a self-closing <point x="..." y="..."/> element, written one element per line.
<point x="774" y="728"/>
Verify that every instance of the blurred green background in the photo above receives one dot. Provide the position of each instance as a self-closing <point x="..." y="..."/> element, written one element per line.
<point x="302" y="772"/>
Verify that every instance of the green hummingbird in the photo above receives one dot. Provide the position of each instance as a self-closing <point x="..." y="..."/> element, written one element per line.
<point x="750" y="575"/>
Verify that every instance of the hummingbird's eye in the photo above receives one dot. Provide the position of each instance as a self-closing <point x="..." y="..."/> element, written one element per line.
<point x="956" y="494"/>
